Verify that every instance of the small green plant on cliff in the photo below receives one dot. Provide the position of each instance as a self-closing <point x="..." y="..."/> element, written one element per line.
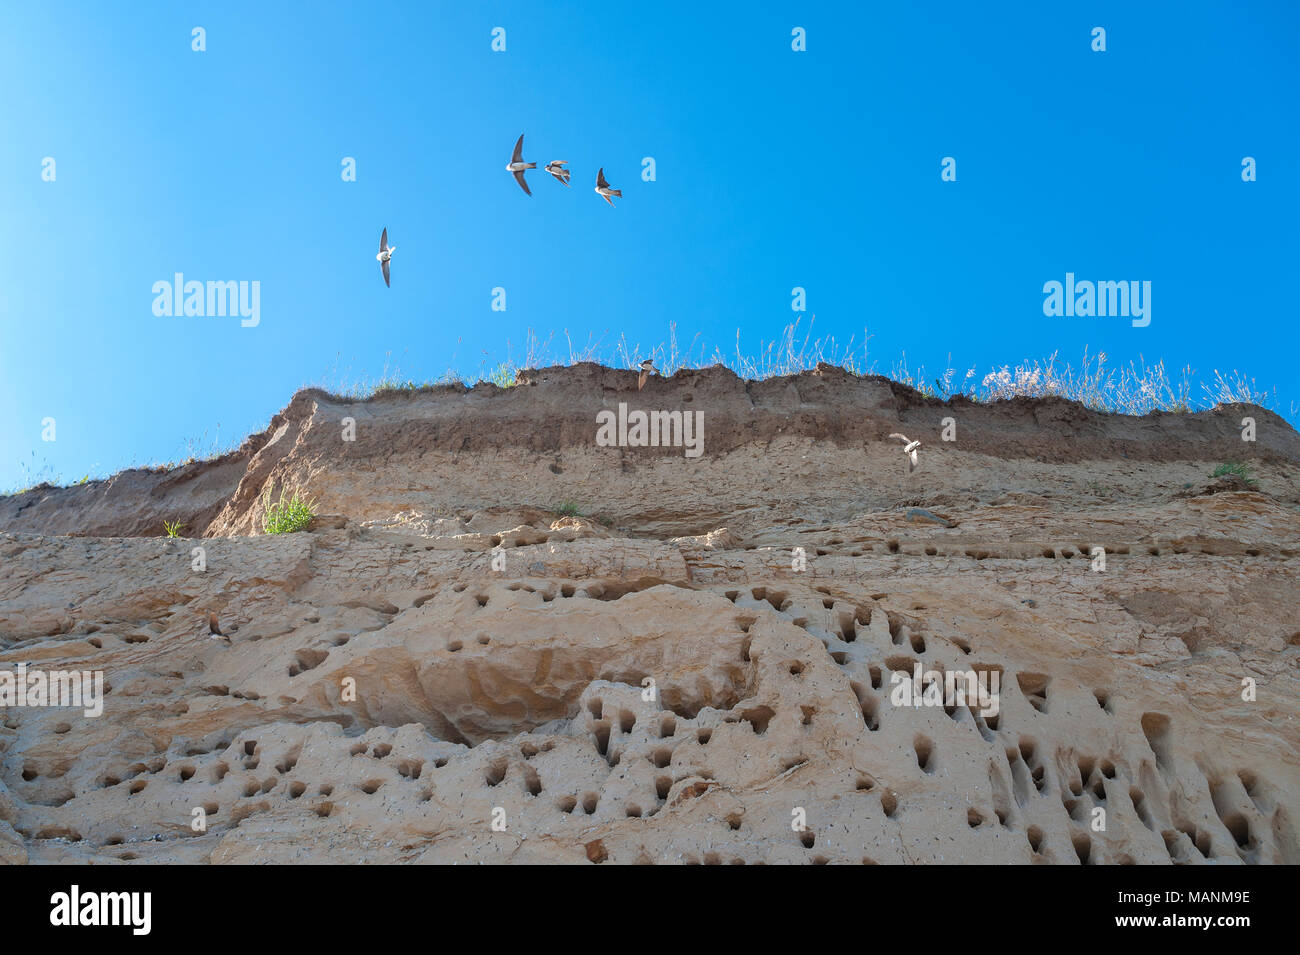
<point x="568" y="509"/>
<point x="394" y="386"/>
<point x="284" y="516"/>
<point x="1234" y="469"/>
<point x="173" y="528"/>
<point x="503" y="376"/>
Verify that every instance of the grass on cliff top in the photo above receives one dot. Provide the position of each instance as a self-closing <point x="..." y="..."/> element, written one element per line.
<point x="1134" y="389"/>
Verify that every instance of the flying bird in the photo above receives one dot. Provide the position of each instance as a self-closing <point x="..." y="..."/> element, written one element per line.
<point x="556" y="168"/>
<point x="647" y="367"/>
<point x="517" y="165"/>
<point x="385" y="253"/>
<point x="909" y="450"/>
<point x="602" y="187"/>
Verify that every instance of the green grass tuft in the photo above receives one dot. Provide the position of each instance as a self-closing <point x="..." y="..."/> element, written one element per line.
<point x="1234" y="469"/>
<point x="286" y="516"/>
<point x="173" y="528"/>
<point x="503" y="375"/>
<point x="568" y="509"/>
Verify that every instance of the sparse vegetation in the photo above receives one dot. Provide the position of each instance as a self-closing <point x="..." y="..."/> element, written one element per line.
<point x="1234" y="469"/>
<point x="394" y="386"/>
<point x="503" y="376"/>
<point x="1097" y="489"/>
<point x="173" y="528"/>
<point x="284" y="516"/>
<point x="568" y="509"/>
<point x="1135" y="389"/>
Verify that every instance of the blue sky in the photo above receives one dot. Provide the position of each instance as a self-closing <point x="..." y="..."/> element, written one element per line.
<point x="774" y="169"/>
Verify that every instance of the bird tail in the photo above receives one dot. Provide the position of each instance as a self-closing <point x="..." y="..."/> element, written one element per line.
<point x="530" y="165"/>
<point x="616" y="192"/>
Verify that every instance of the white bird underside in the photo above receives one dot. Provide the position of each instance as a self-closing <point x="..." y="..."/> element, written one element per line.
<point x="385" y="253"/>
<point x="516" y="166"/>
<point x="909" y="449"/>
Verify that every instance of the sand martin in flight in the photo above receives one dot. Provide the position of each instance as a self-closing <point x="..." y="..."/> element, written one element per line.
<point x="909" y="449"/>
<point x="602" y="187"/>
<point x="517" y="165"/>
<point x="556" y="168"/>
<point x="647" y="367"/>
<point x="385" y="253"/>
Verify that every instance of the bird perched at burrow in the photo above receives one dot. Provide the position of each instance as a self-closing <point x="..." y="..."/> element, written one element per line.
<point x="556" y="168"/>
<point x="214" y="626"/>
<point x="385" y="255"/>
<point x="647" y="369"/>
<point x="909" y="449"/>
<point x="603" y="190"/>
<point x="516" y="166"/>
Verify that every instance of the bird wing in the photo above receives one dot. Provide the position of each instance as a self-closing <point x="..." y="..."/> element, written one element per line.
<point x="383" y="240"/>
<point x="901" y="437"/>
<point x="607" y="198"/>
<point x="600" y="180"/>
<point x="386" y="281"/>
<point x="519" y="178"/>
<point x="519" y="150"/>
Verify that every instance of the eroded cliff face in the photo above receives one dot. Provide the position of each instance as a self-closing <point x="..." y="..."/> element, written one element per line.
<point x="444" y="669"/>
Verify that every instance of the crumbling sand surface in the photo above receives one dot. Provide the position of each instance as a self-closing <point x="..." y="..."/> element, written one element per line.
<point x="663" y="679"/>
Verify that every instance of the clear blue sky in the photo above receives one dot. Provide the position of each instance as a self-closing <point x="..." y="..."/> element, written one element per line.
<point x="775" y="169"/>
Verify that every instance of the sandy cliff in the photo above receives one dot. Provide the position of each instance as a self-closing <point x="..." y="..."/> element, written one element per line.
<point x="700" y="658"/>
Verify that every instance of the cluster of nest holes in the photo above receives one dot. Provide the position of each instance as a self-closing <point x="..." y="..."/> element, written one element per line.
<point x="407" y="768"/>
<point x="605" y="590"/>
<point x="1027" y="770"/>
<point x="1092" y="782"/>
<point x="1080" y="550"/>
<point x="904" y="632"/>
<point x="153" y="767"/>
<point x="894" y="546"/>
<point x="586" y="803"/>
